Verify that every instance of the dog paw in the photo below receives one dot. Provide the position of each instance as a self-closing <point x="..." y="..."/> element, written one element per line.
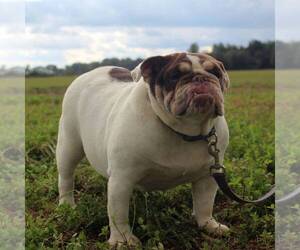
<point x="211" y="226"/>
<point x="68" y="201"/>
<point x="125" y="242"/>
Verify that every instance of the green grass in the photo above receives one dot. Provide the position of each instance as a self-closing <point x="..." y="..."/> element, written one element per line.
<point x="162" y="220"/>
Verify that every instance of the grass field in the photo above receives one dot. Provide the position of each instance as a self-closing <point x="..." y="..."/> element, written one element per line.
<point x="162" y="220"/>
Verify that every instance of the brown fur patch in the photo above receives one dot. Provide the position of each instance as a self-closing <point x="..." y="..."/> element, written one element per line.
<point x="121" y="74"/>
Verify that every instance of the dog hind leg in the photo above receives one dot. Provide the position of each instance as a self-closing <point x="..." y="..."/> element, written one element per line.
<point x="69" y="152"/>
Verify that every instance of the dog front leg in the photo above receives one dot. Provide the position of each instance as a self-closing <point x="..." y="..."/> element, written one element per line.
<point x="204" y="192"/>
<point x="119" y="193"/>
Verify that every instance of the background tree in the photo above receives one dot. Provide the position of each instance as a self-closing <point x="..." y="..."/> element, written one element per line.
<point x="194" y="48"/>
<point x="257" y="55"/>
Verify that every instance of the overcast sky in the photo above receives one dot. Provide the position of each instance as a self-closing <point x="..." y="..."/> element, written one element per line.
<point x="64" y="31"/>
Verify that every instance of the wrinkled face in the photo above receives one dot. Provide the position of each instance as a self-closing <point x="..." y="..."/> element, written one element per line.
<point x="187" y="84"/>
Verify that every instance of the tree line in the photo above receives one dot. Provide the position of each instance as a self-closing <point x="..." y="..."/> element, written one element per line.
<point x="256" y="55"/>
<point x="80" y="68"/>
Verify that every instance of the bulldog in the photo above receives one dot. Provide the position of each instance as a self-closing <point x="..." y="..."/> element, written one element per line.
<point x="129" y="127"/>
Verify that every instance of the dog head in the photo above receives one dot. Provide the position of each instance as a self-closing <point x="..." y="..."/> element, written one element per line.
<point x="186" y="84"/>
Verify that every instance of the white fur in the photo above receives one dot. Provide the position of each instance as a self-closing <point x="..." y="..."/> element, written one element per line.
<point x="115" y="125"/>
<point x="196" y="65"/>
<point x="136" y="73"/>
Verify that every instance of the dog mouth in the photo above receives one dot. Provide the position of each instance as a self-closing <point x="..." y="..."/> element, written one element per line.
<point x="196" y="99"/>
<point x="201" y="102"/>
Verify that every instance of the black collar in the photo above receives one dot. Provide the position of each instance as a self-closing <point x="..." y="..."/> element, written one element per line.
<point x="191" y="138"/>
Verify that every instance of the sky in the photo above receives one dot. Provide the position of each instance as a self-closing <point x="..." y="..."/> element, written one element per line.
<point x="63" y="31"/>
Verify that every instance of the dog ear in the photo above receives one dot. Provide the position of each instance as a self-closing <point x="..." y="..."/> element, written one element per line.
<point x="152" y="66"/>
<point x="224" y="78"/>
<point x="136" y="73"/>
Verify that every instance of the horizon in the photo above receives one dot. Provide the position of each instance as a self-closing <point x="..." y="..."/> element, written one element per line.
<point x="203" y="50"/>
<point x="209" y="50"/>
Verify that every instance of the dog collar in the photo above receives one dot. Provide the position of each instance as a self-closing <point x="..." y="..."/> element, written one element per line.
<point x="191" y="138"/>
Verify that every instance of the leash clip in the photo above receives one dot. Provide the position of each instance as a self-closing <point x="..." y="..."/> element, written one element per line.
<point x="214" y="152"/>
<point x="212" y="148"/>
<point x="217" y="168"/>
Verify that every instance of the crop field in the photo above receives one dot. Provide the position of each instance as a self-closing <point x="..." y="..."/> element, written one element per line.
<point x="162" y="220"/>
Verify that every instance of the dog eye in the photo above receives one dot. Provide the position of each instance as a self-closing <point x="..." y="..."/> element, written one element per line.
<point x="215" y="71"/>
<point x="175" y="75"/>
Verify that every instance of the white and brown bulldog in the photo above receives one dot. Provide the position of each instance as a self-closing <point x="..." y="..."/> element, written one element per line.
<point x="127" y="130"/>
